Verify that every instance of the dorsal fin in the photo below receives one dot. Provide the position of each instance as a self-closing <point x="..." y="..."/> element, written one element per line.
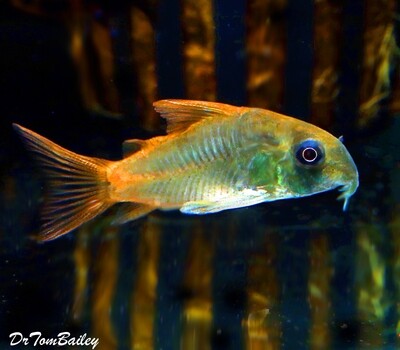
<point x="180" y="114"/>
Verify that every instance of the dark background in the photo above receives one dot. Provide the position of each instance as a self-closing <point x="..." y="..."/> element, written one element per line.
<point x="39" y="90"/>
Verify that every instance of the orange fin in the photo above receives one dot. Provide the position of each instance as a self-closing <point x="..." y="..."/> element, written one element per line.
<point x="132" y="146"/>
<point x="78" y="186"/>
<point x="180" y="114"/>
<point x="131" y="211"/>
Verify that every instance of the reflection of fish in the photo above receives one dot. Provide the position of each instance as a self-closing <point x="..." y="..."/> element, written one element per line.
<point x="215" y="157"/>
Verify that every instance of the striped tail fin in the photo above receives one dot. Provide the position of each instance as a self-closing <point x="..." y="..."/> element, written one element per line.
<point x="78" y="186"/>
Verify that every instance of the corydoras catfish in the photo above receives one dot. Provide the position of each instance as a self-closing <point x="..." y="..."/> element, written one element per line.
<point x="214" y="157"/>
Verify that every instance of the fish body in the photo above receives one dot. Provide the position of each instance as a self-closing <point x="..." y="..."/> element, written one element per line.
<point x="214" y="157"/>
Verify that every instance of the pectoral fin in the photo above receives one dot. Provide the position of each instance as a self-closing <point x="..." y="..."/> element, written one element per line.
<point x="199" y="208"/>
<point x="246" y="198"/>
<point x="131" y="211"/>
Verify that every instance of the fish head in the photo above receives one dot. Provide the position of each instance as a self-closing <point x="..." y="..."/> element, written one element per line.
<point x="291" y="158"/>
<point x="319" y="162"/>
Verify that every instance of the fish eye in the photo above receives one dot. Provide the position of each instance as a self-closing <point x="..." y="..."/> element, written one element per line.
<point x="309" y="152"/>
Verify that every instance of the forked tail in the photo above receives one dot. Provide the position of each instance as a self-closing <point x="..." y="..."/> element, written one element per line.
<point x="78" y="186"/>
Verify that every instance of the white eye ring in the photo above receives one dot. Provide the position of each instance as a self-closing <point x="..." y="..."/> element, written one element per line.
<point x="303" y="154"/>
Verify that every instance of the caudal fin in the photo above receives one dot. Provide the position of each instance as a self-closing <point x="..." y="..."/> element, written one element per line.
<point x="78" y="186"/>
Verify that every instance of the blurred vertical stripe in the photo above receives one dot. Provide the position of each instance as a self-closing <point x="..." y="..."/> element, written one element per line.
<point x="105" y="271"/>
<point x="92" y="53"/>
<point x="144" y="295"/>
<point x="372" y="301"/>
<point x="394" y="229"/>
<point x="319" y="287"/>
<point x="379" y="55"/>
<point x="262" y="321"/>
<point x="79" y="54"/>
<point x="107" y="99"/>
<point x="265" y="53"/>
<point x="197" y="307"/>
<point x="327" y="24"/>
<point x="82" y="263"/>
<point x="198" y="49"/>
<point x="144" y="60"/>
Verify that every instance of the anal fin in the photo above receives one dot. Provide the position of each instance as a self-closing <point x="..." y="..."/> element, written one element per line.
<point x="131" y="211"/>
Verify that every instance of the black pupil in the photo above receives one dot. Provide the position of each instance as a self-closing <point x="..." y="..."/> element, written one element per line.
<point x="309" y="152"/>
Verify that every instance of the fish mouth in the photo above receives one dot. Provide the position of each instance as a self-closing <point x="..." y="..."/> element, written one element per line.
<point x="347" y="189"/>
